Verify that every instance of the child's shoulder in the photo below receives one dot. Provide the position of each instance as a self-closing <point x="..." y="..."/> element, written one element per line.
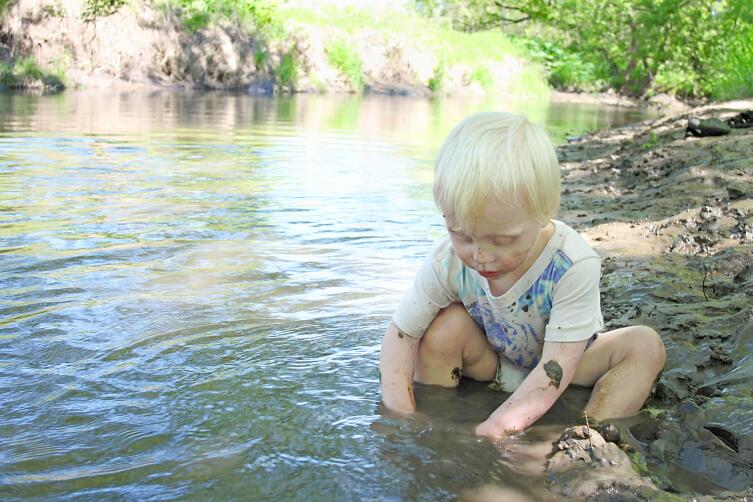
<point x="572" y="243"/>
<point x="442" y="250"/>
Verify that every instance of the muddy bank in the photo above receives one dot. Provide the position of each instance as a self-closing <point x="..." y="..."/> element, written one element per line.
<point x="145" y="45"/>
<point x="673" y="218"/>
<point x="663" y="103"/>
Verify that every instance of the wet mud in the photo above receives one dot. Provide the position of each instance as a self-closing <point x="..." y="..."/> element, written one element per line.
<point x="672" y="217"/>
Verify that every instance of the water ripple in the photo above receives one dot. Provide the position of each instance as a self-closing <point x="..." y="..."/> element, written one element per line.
<point x="194" y="288"/>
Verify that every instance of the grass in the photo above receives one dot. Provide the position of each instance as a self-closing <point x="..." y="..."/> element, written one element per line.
<point x="457" y="47"/>
<point x="287" y="72"/>
<point x="275" y="25"/>
<point x="100" y="8"/>
<point x="483" y="77"/>
<point x="347" y="61"/>
<point x="436" y="81"/>
<point x="25" y="73"/>
<point x="449" y="47"/>
<point x="257" y="15"/>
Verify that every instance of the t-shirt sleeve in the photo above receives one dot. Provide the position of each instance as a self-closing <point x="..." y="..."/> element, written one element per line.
<point x="576" y="306"/>
<point x="430" y="293"/>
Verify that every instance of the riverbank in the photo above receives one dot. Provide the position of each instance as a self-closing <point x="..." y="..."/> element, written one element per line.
<point x="143" y="44"/>
<point x="673" y="218"/>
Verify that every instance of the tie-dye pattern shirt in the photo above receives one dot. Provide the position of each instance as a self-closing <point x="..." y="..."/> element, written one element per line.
<point x="557" y="299"/>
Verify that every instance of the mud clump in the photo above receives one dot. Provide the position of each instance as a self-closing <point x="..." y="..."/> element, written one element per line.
<point x="585" y="465"/>
<point x="583" y="445"/>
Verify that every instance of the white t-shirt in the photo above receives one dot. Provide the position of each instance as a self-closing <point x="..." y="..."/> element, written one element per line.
<point x="557" y="299"/>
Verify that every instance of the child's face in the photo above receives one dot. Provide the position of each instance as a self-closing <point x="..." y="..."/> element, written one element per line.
<point x="500" y="242"/>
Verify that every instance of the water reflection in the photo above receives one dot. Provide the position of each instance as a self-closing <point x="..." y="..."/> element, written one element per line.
<point x="194" y="287"/>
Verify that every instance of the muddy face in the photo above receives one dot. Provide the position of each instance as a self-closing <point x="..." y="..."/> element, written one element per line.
<point x="554" y="372"/>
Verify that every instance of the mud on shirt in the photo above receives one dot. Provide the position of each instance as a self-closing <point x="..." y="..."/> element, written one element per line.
<point x="557" y="299"/>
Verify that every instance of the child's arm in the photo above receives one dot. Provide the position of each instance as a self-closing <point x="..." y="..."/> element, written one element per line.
<point x="397" y="362"/>
<point x="538" y="392"/>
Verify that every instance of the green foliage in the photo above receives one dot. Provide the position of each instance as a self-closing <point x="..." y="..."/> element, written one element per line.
<point x="639" y="463"/>
<point x="652" y="142"/>
<point x="437" y="79"/>
<point x="443" y="43"/>
<point x="25" y="73"/>
<point x="287" y="72"/>
<point x="567" y="69"/>
<point x="100" y="8"/>
<point x="482" y="75"/>
<point x="736" y="77"/>
<point x="347" y="61"/>
<point x="197" y="14"/>
<point x="688" y="48"/>
<point x="260" y="59"/>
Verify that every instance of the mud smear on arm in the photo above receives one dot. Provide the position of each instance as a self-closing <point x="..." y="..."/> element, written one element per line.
<point x="456" y="374"/>
<point x="554" y="372"/>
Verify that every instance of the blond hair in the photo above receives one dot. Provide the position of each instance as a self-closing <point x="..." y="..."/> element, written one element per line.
<point x="501" y="157"/>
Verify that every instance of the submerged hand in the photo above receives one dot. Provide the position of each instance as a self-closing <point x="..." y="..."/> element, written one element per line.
<point x="491" y="431"/>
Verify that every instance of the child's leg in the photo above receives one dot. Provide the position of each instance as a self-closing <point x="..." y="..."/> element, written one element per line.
<point x="452" y="344"/>
<point x="621" y="366"/>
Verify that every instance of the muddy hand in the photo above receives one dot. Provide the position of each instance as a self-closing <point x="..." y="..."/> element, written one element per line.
<point x="524" y="457"/>
<point x="490" y="431"/>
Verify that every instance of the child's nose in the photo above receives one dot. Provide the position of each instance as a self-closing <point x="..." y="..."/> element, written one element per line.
<point x="481" y="256"/>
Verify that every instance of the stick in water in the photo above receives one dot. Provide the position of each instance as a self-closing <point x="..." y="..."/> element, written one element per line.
<point x="588" y="427"/>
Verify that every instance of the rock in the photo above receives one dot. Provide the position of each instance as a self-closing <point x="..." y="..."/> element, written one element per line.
<point x="262" y="88"/>
<point x="581" y="445"/>
<point x="741" y="120"/>
<point x="584" y="465"/>
<point x="706" y="127"/>
<point x="609" y="432"/>
<point x="665" y="102"/>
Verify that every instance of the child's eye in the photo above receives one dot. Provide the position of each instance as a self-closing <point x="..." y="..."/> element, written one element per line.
<point x="503" y="242"/>
<point x="459" y="236"/>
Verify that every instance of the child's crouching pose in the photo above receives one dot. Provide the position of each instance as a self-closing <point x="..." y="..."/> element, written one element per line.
<point x="511" y="295"/>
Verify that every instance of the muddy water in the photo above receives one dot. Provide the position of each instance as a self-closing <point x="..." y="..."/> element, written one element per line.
<point x="193" y="291"/>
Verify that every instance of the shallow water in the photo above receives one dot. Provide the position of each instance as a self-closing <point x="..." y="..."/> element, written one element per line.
<point x="193" y="288"/>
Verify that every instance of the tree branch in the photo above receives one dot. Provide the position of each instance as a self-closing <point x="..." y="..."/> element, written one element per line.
<point x="509" y="7"/>
<point x="514" y="21"/>
<point x="526" y="17"/>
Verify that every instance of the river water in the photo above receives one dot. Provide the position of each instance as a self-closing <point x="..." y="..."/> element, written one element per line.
<point x="193" y="288"/>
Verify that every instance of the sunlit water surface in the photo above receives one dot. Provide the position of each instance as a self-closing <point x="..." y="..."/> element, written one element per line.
<point x="194" y="288"/>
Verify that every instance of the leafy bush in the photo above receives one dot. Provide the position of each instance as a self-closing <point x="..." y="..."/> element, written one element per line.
<point x="639" y="47"/>
<point x="26" y="73"/>
<point x="347" y="61"/>
<point x="567" y="69"/>
<point x="287" y="72"/>
<point x="437" y="79"/>
<point x="100" y="8"/>
<point x="482" y="75"/>
<point x="735" y="77"/>
<point x="197" y="14"/>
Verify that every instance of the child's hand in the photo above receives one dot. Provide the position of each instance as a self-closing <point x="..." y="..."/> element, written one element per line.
<point x="490" y="430"/>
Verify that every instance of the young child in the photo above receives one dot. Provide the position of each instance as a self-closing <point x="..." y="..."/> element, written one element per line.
<point x="511" y="295"/>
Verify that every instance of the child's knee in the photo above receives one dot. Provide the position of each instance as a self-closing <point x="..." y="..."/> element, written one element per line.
<point x="448" y="330"/>
<point x="648" y="346"/>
